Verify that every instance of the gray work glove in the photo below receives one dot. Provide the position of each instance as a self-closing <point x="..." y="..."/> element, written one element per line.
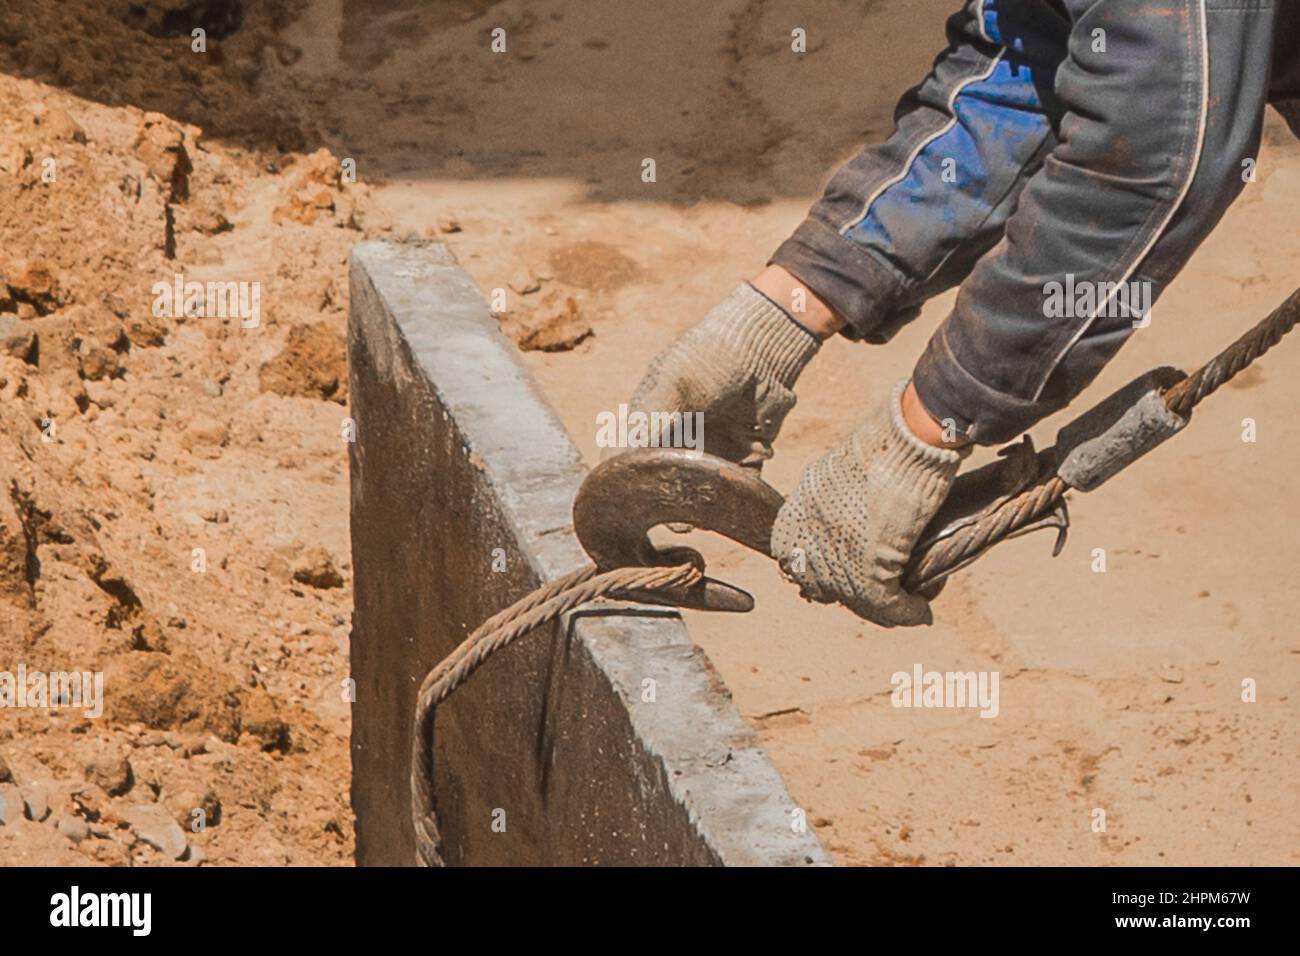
<point x="851" y="524"/>
<point x="738" y="366"/>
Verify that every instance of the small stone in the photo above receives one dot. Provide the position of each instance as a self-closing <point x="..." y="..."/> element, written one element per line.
<point x="556" y="326"/>
<point x="11" y="804"/>
<point x="74" y="828"/>
<point x="449" y="224"/>
<point x="196" y="746"/>
<point x="16" y="338"/>
<point x="36" y="802"/>
<point x="151" y="823"/>
<point x="315" y="567"/>
<point x="100" y="391"/>
<point x="186" y="802"/>
<point x="112" y="772"/>
<point x="90" y="802"/>
<point x="37" y="285"/>
<point x="524" y="282"/>
<point x="6" y="775"/>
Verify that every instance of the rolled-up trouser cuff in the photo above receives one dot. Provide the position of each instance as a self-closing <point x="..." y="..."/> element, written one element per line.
<point x="952" y="395"/>
<point x="861" y="288"/>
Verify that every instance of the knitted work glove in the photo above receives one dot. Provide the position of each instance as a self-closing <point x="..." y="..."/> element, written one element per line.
<point x="851" y="524"/>
<point x="738" y="366"/>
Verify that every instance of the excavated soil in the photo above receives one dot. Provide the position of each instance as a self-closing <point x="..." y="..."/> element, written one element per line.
<point x="173" y="487"/>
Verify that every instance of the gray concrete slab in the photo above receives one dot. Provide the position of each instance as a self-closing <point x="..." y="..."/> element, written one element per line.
<point x="462" y="482"/>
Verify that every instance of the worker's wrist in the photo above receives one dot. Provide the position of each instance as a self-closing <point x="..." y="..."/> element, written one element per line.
<point x="925" y="426"/>
<point x="800" y="303"/>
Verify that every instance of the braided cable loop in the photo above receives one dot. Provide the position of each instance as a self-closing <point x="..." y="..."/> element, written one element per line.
<point x="1046" y="490"/>
<point x="1039" y="499"/>
<point x="535" y="609"/>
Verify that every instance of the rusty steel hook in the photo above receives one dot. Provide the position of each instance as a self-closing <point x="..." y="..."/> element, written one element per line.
<point x="627" y="495"/>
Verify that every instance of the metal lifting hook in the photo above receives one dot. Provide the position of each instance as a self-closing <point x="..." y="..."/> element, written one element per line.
<point x="626" y="496"/>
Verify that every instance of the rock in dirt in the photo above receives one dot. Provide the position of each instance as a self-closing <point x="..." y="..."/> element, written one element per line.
<point x="152" y="824"/>
<point x="11" y="804"/>
<point x="16" y="338"/>
<point x="36" y="802"/>
<point x="160" y="145"/>
<point x="311" y="190"/>
<point x="312" y="364"/>
<point x="557" y="325"/>
<point x="101" y="341"/>
<point x="146" y="331"/>
<point x="524" y="281"/>
<point x="6" y="775"/>
<point x="35" y="284"/>
<point x="315" y="567"/>
<point x="112" y="772"/>
<point x="186" y="802"/>
<point x="74" y="828"/>
<point x="260" y="719"/>
<point x="305" y="206"/>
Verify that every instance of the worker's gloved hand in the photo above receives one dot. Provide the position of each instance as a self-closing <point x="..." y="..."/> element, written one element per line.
<point x="851" y="524"/>
<point x="738" y="367"/>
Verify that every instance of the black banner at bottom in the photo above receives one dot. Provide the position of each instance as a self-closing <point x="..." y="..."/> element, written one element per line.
<point x="213" y="905"/>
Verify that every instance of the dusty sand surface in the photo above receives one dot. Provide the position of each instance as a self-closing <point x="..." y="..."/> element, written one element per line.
<point x="1120" y="691"/>
<point x="181" y="525"/>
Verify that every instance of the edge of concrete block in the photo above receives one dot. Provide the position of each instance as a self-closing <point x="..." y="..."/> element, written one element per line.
<point x="713" y="766"/>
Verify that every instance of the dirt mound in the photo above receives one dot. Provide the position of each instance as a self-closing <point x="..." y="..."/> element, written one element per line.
<point x="162" y="290"/>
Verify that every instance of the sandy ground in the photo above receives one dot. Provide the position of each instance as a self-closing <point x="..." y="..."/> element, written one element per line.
<point x="1121" y="691"/>
<point x="173" y="488"/>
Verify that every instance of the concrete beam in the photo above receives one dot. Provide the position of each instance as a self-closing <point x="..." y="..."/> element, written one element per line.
<point x="458" y="461"/>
